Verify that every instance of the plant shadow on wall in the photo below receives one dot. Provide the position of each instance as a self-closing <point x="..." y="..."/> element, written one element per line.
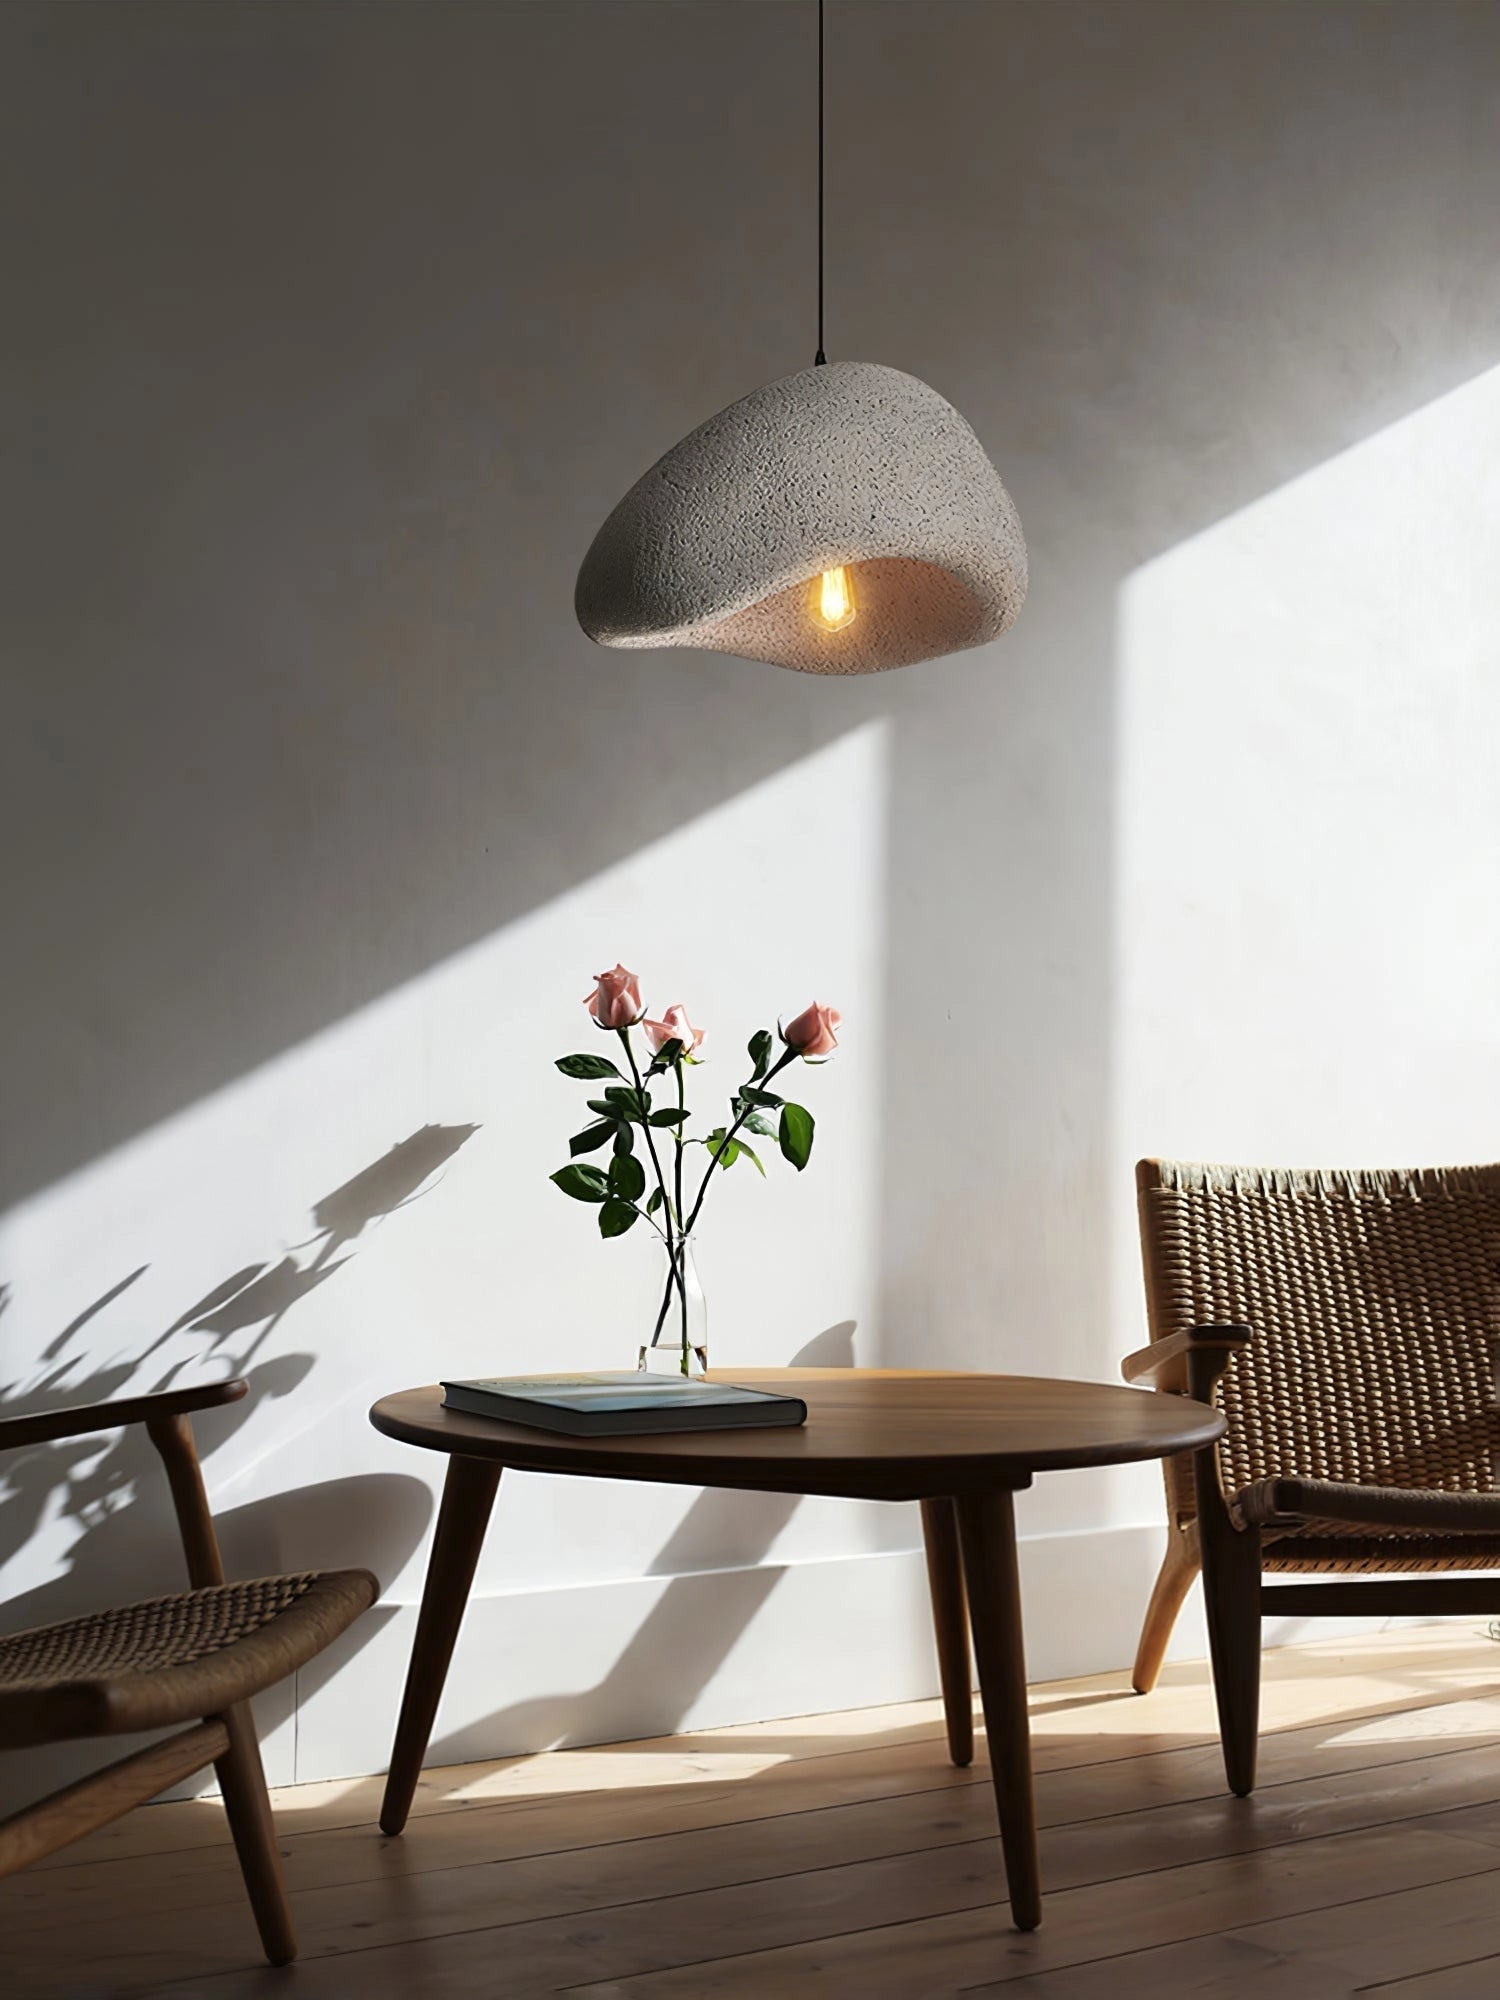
<point x="111" y="1492"/>
<point x="682" y="1642"/>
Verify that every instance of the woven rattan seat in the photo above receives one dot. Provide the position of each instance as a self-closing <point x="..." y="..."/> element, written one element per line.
<point x="1348" y="1323"/>
<point x="195" y="1657"/>
<point x="146" y="1638"/>
<point x="161" y="1661"/>
<point x="1313" y="1551"/>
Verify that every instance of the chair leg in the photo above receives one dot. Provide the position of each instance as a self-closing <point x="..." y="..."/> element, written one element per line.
<point x="1180" y="1565"/>
<point x="950" y="1625"/>
<point x="1231" y="1596"/>
<point x="247" y="1806"/>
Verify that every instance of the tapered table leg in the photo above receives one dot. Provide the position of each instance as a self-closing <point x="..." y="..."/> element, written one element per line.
<point x="987" y="1536"/>
<point x="468" y="1495"/>
<point x="950" y="1625"/>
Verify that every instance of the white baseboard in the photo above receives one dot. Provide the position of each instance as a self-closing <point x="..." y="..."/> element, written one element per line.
<point x="611" y="1662"/>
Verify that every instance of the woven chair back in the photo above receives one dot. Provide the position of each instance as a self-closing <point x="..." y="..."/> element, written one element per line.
<point x="1374" y="1297"/>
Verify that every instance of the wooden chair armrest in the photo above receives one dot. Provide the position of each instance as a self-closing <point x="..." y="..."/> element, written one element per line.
<point x="1196" y="1358"/>
<point x="1212" y="1342"/>
<point x="168" y="1419"/>
<point x="49" y="1425"/>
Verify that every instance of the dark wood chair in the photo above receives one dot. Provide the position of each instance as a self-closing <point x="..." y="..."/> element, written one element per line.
<point x="1347" y="1324"/>
<point x="197" y="1657"/>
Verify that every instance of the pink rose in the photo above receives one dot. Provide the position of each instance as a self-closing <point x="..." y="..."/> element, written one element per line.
<point x="616" y="1001"/>
<point x="814" y="1032"/>
<point x="674" y="1026"/>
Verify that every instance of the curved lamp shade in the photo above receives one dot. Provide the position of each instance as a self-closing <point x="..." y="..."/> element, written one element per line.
<point x="850" y="465"/>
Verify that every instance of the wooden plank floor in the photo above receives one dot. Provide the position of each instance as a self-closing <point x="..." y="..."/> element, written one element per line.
<point x="842" y="1856"/>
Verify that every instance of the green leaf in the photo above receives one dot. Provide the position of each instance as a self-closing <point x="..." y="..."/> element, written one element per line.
<point x="655" y="1202"/>
<point x="586" y="1066"/>
<point x="761" y="1126"/>
<point x="724" y="1149"/>
<point x="796" y="1135"/>
<point x="670" y="1117"/>
<point x="761" y="1046"/>
<point x="592" y="1137"/>
<point x="624" y="1138"/>
<point x="665" y="1056"/>
<point x="767" y="1098"/>
<point x="618" y="1104"/>
<point x="627" y="1177"/>
<point x="740" y="1146"/>
<point x="615" y="1218"/>
<point x="583" y="1183"/>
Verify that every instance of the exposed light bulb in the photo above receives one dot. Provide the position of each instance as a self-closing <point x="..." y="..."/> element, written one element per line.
<point x="833" y="599"/>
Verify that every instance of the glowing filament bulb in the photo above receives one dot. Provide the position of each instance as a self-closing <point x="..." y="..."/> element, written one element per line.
<point x="833" y="598"/>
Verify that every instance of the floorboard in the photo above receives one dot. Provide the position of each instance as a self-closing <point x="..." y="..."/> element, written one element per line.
<point x="843" y="1856"/>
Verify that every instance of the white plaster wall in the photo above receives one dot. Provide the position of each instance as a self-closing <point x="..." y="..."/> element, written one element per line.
<point x="452" y="1254"/>
<point x="331" y="335"/>
<point x="1308" y="835"/>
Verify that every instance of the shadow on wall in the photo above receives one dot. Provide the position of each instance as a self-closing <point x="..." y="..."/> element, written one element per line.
<point x="1127" y="290"/>
<point x="676" y="1650"/>
<point x="112" y="1491"/>
<point x="1205" y="248"/>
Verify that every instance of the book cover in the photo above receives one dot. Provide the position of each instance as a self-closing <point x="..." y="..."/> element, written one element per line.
<point x="621" y="1402"/>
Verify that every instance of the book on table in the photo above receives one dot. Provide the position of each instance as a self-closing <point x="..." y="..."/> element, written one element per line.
<point x="623" y="1404"/>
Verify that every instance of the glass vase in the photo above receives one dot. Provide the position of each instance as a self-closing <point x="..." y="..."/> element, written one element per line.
<point x="676" y="1341"/>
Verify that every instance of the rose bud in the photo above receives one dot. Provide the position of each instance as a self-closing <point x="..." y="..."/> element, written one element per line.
<point x="674" y="1026"/>
<point x="814" y="1032"/>
<point x="616" y="1001"/>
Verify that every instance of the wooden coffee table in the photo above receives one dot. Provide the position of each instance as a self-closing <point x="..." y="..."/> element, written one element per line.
<point x="960" y="1444"/>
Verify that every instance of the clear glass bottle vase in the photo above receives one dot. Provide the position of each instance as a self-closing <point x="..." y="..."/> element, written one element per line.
<point x="676" y="1340"/>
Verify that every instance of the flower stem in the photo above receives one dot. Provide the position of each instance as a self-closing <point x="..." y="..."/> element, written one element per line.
<point x="661" y="1181"/>
<point x="713" y="1159"/>
<point x="666" y="1298"/>
<point x="682" y="1240"/>
<point x="645" y="1104"/>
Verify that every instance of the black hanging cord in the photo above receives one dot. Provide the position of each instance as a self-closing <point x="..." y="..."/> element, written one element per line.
<point x="821" y="358"/>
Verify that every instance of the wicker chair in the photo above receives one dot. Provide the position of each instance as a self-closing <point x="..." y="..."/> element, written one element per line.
<point x="1347" y="1323"/>
<point x="197" y="1657"/>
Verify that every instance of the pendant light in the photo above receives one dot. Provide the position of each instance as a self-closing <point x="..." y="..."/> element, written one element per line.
<point x="843" y="520"/>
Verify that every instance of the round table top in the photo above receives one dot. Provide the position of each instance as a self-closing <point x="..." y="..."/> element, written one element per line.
<point x="871" y="1433"/>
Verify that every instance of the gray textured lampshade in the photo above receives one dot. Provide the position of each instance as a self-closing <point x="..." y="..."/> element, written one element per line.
<point x="852" y="465"/>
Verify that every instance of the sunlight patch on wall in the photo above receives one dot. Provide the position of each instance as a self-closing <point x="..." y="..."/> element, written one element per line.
<point x="1308" y="820"/>
<point x="371" y="1209"/>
